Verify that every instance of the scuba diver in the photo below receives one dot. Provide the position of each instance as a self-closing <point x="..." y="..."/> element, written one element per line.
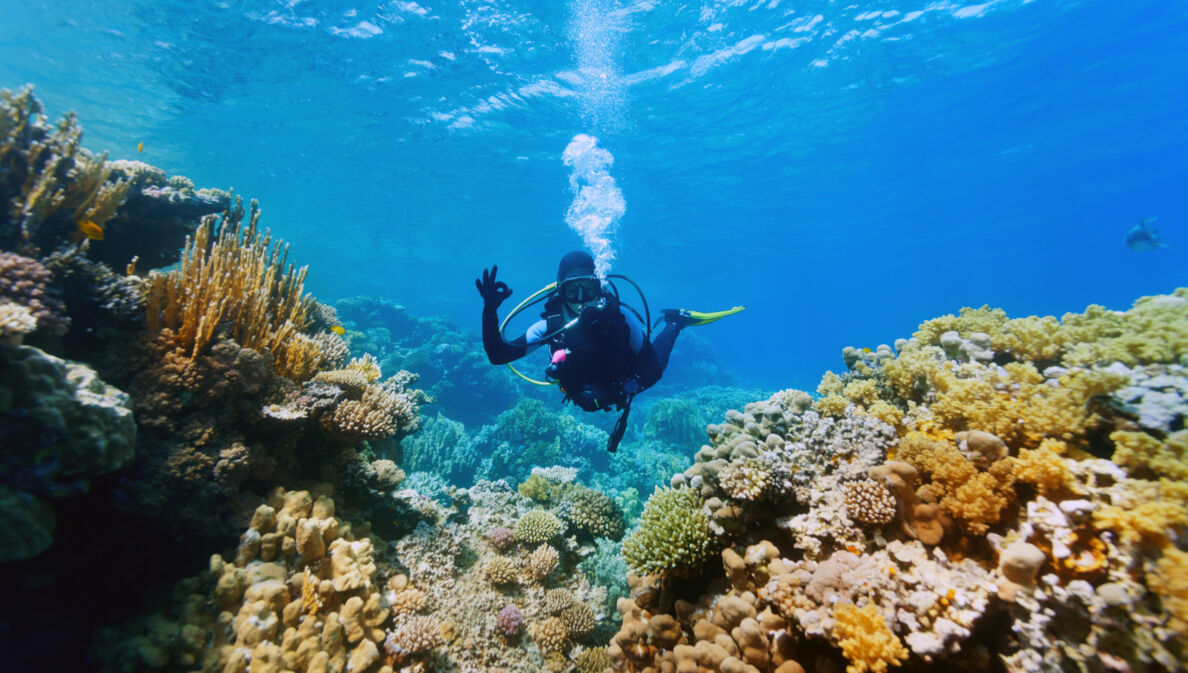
<point x="602" y="350"/>
<point x="1142" y="237"/>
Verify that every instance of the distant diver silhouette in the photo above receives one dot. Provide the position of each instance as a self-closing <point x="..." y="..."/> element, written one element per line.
<point x="1142" y="237"/>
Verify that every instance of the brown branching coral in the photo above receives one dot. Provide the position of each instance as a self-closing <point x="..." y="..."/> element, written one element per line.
<point x="381" y="411"/>
<point x="238" y="280"/>
<point x="48" y="182"/>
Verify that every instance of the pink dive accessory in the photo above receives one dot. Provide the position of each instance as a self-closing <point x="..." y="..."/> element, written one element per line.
<point x="559" y="356"/>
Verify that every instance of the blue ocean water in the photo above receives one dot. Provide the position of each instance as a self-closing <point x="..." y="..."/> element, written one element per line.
<point x="846" y="170"/>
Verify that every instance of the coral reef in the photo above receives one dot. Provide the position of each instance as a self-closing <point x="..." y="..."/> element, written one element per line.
<point x="301" y="593"/>
<point x="25" y="282"/>
<point x="62" y="426"/>
<point x="942" y="503"/>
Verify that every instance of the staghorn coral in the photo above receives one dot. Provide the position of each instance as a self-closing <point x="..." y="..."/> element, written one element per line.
<point x="501" y="570"/>
<point x="592" y="660"/>
<point x="379" y="413"/>
<point x="510" y="622"/>
<point x="579" y="620"/>
<point x="551" y="635"/>
<point x="557" y="600"/>
<point x="237" y="279"/>
<point x="501" y="538"/>
<point x="674" y="536"/>
<point x="415" y="636"/>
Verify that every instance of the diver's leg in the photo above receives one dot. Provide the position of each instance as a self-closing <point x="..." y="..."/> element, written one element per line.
<point x="653" y="359"/>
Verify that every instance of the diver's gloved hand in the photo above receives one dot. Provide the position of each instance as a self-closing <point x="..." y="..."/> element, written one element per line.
<point x="493" y="292"/>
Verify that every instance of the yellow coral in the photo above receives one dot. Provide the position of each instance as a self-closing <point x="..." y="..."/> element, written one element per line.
<point x="1164" y="508"/>
<point x="861" y="391"/>
<point x="987" y="320"/>
<point x="976" y="498"/>
<point x="865" y="639"/>
<point x="979" y="502"/>
<point x="1044" y="467"/>
<point x="1170" y="581"/>
<point x="832" y="405"/>
<point x="885" y="412"/>
<point x="1142" y="452"/>
<point x="1020" y="407"/>
<point x="1154" y="330"/>
<point x="831" y="384"/>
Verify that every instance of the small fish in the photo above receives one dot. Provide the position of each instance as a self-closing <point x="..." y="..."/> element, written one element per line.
<point x="866" y="351"/>
<point x="140" y="146"/>
<point x="1142" y="237"/>
<point x="90" y="230"/>
<point x="338" y="329"/>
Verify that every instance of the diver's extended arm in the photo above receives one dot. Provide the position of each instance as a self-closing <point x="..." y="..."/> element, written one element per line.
<point x="494" y="293"/>
<point x="500" y="352"/>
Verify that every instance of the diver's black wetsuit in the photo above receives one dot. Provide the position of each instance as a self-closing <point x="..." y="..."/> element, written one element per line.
<point x="601" y="356"/>
<point x="646" y="365"/>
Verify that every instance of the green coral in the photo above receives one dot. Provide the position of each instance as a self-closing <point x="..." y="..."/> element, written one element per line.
<point x="539" y="489"/>
<point x="592" y="512"/>
<point x="538" y="526"/>
<point x="674" y="536"/>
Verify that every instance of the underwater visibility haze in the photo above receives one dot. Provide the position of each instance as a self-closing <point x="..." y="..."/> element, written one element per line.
<point x="243" y="379"/>
<point x="843" y="170"/>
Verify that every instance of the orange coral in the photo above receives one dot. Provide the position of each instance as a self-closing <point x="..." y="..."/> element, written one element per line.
<point x="238" y="279"/>
<point x="865" y="639"/>
<point x="976" y="498"/>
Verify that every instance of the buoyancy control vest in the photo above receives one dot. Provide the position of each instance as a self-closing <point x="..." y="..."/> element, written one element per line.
<point x="598" y="359"/>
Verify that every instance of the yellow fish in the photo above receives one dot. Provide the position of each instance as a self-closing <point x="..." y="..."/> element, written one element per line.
<point x="140" y="146"/>
<point x="338" y="329"/>
<point x="90" y="230"/>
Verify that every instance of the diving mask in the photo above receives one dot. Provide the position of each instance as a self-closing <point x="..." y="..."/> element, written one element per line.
<point x="581" y="290"/>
